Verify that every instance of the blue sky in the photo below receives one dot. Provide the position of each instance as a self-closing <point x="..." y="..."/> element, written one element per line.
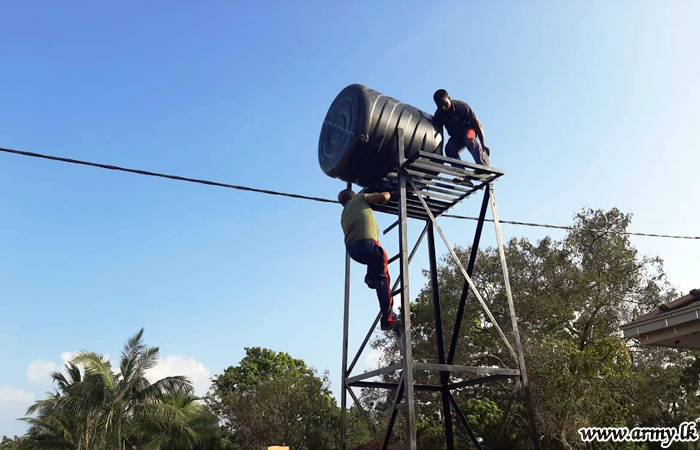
<point x="585" y="104"/>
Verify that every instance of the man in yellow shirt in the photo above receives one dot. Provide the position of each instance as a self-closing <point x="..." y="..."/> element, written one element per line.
<point x="362" y="243"/>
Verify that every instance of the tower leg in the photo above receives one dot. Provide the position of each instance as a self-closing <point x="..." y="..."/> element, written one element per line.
<point x="410" y="406"/>
<point x="346" y="319"/>
<point x="444" y="376"/>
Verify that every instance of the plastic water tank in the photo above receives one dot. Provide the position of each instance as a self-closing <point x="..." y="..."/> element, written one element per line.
<point x="357" y="136"/>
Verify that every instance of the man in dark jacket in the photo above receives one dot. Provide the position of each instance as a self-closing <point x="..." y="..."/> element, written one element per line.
<point x="462" y="125"/>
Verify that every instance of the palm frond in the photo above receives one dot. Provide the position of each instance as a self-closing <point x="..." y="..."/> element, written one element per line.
<point x="167" y="418"/>
<point x="49" y="425"/>
<point x="96" y="364"/>
<point x="47" y="403"/>
<point x="74" y="373"/>
<point x="167" y="386"/>
<point x="149" y="358"/>
<point x="134" y="345"/>
<point x="60" y="380"/>
<point x="127" y="366"/>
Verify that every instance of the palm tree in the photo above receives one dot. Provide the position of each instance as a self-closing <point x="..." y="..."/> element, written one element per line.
<point x="60" y="422"/>
<point x="107" y="410"/>
<point x="195" y="424"/>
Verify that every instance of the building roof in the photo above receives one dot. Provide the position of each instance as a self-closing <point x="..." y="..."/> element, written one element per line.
<point x="675" y="324"/>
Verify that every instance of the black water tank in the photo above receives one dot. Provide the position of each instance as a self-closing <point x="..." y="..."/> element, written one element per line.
<point x="356" y="142"/>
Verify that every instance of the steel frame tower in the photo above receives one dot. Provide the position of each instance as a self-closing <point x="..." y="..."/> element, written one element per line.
<point x="427" y="190"/>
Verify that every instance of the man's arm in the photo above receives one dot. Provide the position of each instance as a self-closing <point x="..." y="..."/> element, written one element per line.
<point x="378" y="198"/>
<point x="480" y="132"/>
<point x="471" y="116"/>
<point x="437" y="119"/>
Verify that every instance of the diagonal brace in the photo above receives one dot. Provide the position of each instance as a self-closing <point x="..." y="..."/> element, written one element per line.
<point x="514" y="321"/>
<point x="364" y="413"/>
<point x="463" y="419"/>
<point x="464" y="272"/>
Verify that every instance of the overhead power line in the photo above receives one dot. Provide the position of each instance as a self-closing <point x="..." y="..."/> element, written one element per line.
<point x="300" y="196"/>
<point x="163" y="175"/>
<point x="565" y="227"/>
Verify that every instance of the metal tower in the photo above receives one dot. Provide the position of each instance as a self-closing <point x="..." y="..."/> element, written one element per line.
<point x="427" y="190"/>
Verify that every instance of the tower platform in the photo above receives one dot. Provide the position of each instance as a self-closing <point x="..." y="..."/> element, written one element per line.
<point x="434" y="175"/>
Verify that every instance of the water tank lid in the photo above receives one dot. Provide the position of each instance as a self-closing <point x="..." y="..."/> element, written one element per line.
<point x="345" y="124"/>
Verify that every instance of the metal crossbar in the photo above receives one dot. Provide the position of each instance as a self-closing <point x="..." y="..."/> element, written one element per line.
<point x="480" y="380"/>
<point x="374" y="373"/>
<point x="392" y="386"/>
<point x="470" y="369"/>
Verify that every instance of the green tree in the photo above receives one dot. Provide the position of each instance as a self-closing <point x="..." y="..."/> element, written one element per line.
<point x="570" y="295"/>
<point x="198" y="424"/>
<point x="271" y="398"/>
<point x="15" y="443"/>
<point x="99" y="408"/>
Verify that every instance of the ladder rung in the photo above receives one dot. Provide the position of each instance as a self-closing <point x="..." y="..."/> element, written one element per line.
<point x="397" y="292"/>
<point x="394" y="258"/>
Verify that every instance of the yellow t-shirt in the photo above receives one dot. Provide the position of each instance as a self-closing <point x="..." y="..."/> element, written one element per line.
<point x="358" y="221"/>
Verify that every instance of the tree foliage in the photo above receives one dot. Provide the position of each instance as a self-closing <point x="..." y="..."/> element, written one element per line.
<point x="570" y="295"/>
<point x="270" y="398"/>
<point x="16" y="443"/>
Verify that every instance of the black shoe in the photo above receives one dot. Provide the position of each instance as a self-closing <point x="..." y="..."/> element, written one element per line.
<point x="393" y="323"/>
